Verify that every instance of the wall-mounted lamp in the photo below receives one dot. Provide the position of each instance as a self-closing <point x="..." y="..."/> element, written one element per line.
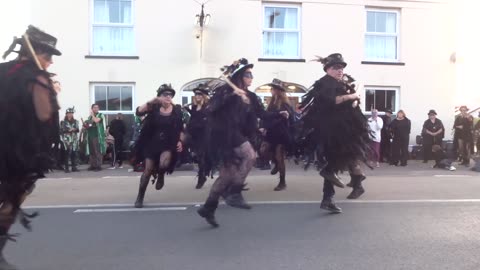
<point x="202" y="19"/>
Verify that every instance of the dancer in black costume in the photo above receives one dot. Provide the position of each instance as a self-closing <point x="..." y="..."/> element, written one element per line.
<point x="339" y="129"/>
<point x="278" y="132"/>
<point x="28" y="107"/>
<point x="232" y="122"/>
<point x="196" y="130"/>
<point x="160" y="139"/>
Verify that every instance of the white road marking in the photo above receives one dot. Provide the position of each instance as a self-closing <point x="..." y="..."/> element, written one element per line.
<point x="197" y="204"/>
<point x="452" y="175"/>
<point x="112" y="210"/>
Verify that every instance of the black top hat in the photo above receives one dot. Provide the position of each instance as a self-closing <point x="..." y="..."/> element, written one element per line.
<point x="236" y="68"/>
<point x="165" y="88"/>
<point x="70" y="110"/>
<point x="332" y="59"/>
<point x="202" y="88"/>
<point x="278" y="84"/>
<point x="38" y="38"/>
<point x="432" y="112"/>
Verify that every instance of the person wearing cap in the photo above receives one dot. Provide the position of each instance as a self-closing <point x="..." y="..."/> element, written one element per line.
<point x="463" y="134"/>
<point x="386" y="137"/>
<point x="441" y="159"/>
<point x="161" y="138"/>
<point x="277" y="131"/>
<point x="69" y="129"/>
<point x="95" y="138"/>
<point x="196" y="129"/>
<point x="232" y="124"/>
<point x="340" y="130"/>
<point x="29" y="121"/>
<point x="118" y="130"/>
<point x="432" y="134"/>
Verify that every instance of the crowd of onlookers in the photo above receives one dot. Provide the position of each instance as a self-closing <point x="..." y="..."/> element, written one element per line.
<point x="391" y="136"/>
<point x="93" y="140"/>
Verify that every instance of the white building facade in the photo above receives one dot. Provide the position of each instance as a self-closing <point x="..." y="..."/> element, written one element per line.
<point x="117" y="52"/>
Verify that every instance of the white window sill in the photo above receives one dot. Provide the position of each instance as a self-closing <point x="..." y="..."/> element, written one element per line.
<point x="269" y="59"/>
<point x="111" y="57"/>
<point x="386" y="63"/>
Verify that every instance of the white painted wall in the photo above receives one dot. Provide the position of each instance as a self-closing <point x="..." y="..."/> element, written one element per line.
<point x="169" y="51"/>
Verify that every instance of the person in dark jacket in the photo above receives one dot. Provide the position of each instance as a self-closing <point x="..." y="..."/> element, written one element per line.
<point x="196" y="130"/>
<point x="400" y="129"/>
<point x="386" y="142"/>
<point x="161" y="138"/>
<point x="464" y="134"/>
<point x="118" y="130"/>
<point x="232" y="124"/>
<point x="278" y="132"/>
<point x="432" y="133"/>
<point x="29" y="121"/>
<point x="339" y="129"/>
<point x="441" y="159"/>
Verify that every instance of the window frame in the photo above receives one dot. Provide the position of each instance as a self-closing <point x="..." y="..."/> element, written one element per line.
<point x="130" y="84"/>
<point x="298" y="7"/>
<point x="397" y="35"/>
<point x="92" y="24"/>
<point x="367" y="111"/>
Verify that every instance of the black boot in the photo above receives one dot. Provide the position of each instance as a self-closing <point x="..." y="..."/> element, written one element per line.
<point x="201" y="181"/>
<point x="358" y="189"/>
<point x="329" y="205"/>
<point x="4" y="265"/>
<point x="332" y="177"/>
<point x="274" y="170"/>
<point x="141" y="191"/>
<point x="65" y="168"/>
<point x="207" y="211"/>
<point x="281" y="184"/>
<point x="160" y="180"/>
<point x="350" y="184"/>
<point x="235" y="198"/>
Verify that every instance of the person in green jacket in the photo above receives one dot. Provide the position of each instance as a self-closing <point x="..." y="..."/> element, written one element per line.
<point x="95" y="138"/>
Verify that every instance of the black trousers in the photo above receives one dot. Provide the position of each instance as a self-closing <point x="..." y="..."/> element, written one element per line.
<point x="118" y="150"/>
<point x="478" y="145"/>
<point x="71" y="156"/>
<point x="427" y="150"/>
<point x="385" y="150"/>
<point x="400" y="150"/>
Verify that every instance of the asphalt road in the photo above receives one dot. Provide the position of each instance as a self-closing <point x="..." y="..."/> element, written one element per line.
<point x="367" y="236"/>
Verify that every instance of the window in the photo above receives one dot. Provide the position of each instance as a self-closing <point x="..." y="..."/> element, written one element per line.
<point x="381" y="98"/>
<point x="281" y="31"/>
<point x="187" y="89"/>
<point x="381" y="38"/>
<point x="112" y="28"/>
<point x="113" y="98"/>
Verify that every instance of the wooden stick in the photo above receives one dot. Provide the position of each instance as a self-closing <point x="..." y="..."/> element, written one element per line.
<point x="236" y="90"/>
<point x="32" y="51"/>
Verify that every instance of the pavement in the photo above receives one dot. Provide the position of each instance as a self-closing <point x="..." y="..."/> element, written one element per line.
<point x="417" y="181"/>
<point x="412" y="217"/>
